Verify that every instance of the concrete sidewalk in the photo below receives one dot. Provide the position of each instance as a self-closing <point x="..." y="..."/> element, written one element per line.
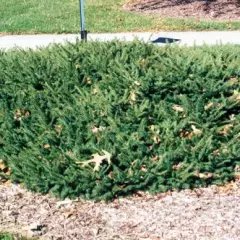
<point x="182" y="38"/>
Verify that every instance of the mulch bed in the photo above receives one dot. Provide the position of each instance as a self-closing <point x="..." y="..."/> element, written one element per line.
<point x="205" y="213"/>
<point x="198" y="9"/>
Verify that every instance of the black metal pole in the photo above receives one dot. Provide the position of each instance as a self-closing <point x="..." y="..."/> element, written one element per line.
<point x="83" y="31"/>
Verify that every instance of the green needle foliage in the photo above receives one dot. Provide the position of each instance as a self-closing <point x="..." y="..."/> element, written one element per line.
<point x="102" y="120"/>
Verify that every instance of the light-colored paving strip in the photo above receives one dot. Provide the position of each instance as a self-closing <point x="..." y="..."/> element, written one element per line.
<point x="185" y="38"/>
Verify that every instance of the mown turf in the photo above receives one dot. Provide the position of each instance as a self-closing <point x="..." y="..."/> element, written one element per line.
<point x="5" y="236"/>
<point x="8" y="236"/>
<point x="62" y="16"/>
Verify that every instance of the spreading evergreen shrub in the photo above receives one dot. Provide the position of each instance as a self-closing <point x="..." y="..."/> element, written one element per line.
<point x="100" y="120"/>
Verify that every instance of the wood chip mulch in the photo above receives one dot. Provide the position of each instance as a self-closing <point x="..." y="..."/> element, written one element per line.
<point x="197" y="9"/>
<point x="205" y="213"/>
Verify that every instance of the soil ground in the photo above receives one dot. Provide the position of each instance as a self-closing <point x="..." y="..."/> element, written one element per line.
<point x="197" y="9"/>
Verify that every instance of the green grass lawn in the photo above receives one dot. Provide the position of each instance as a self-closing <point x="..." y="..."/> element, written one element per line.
<point x="62" y="16"/>
<point x="7" y="236"/>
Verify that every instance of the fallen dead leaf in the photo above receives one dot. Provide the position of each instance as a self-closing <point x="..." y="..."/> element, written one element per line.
<point x="46" y="146"/>
<point x="5" y="170"/>
<point x="64" y="202"/>
<point x="184" y="134"/>
<point x="216" y="152"/>
<point x="97" y="129"/>
<point x="2" y="165"/>
<point x="132" y="97"/>
<point x="58" y="128"/>
<point x="177" y="166"/>
<point x="205" y="175"/>
<point x="95" y="91"/>
<point x="156" y="139"/>
<point x="195" y="130"/>
<point x="178" y="108"/>
<point x="224" y="131"/>
<point x="208" y="106"/>
<point x="232" y="117"/>
<point x="77" y="66"/>
<point x="137" y="83"/>
<point x="236" y="96"/>
<point x="155" y="158"/>
<point x="97" y="160"/>
<point x="233" y="81"/>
